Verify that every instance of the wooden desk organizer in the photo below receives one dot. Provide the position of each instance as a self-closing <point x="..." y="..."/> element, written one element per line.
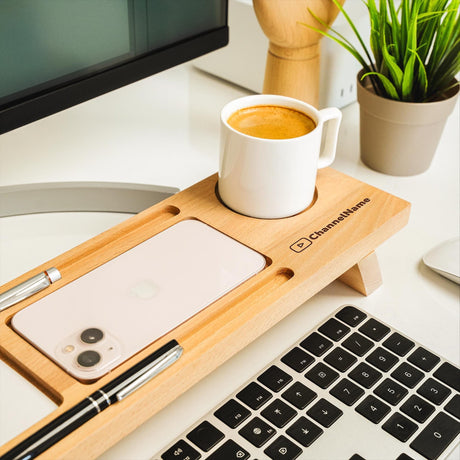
<point x="334" y="238"/>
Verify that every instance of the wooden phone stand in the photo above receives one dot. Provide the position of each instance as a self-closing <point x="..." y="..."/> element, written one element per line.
<point x="334" y="238"/>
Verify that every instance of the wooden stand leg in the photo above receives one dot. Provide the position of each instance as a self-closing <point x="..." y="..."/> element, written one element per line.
<point x="365" y="277"/>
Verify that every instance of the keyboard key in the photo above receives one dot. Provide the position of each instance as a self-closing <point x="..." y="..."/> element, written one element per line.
<point x="437" y="435"/>
<point x="181" y="450"/>
<point x="347" y="392"/>
<point x="382" y="359"/>
<point x="423" y="359"/>
<point x="324" y="413"/>
<point x="449" y="374"/>
<point x="398" y="344"/>
<point x="391" y="392"/>
<point x="229" y="450"/>
<point x="304" y="431"/>
<point x="453" y="406"/>
<point x="297" y="359"/>
<point x="417" y="408"/>
<point x="434" y="391"/>
<point x="254" y="395"/>
<point x="351" y="315"/>
<point x="334" y="329"/>
<point x="400" y="427"/>
<point x="232" y="413"/>
<point x="283" y="449"/>
<point x="257" y="432"/>
<point x="322" y="375"/>
<point x="299" y="395"/>
<point x="316" y="344"/>
<point x="404" y="457"/>
<point x="365" y="375"/>
<point x="356" y="457"/>
<point x="274" y="378"/>
<point x="374" y="329"/>
<point x="279" y="413"/>
<point x="340" y="359"/>
<point x="205" y="436"/>
<point x="373" y="409"/>
<point x="357" y="344"/>
<point x="408" y="375"/>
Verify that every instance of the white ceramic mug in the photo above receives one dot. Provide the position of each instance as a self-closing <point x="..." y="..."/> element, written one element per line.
<point x="274" y="178"/>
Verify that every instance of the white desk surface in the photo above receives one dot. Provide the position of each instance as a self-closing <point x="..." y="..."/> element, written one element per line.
<point x="165" y="131"/>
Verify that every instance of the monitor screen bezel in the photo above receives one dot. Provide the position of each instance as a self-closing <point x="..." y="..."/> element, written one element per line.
<point x="46" y="103"/>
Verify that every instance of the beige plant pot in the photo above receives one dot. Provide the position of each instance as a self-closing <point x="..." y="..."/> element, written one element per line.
<point x="400" y="138"/>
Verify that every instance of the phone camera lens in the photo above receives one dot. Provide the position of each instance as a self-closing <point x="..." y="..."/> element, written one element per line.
<point x="91" y="335"/>
<point x="88" y="358"/>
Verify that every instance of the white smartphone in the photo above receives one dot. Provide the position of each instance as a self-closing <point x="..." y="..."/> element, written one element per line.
<point x="104" y="317"/>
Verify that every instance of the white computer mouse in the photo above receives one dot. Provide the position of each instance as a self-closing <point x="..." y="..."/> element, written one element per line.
<point x="445" y="259"/>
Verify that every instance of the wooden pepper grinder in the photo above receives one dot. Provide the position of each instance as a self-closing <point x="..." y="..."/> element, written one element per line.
<point x="293" y="65"/>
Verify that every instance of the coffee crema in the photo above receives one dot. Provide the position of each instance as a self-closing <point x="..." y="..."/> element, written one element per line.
<point x="271" y="122"/>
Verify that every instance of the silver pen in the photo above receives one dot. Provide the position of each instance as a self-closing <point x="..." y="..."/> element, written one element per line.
<point x="28" y="288"/>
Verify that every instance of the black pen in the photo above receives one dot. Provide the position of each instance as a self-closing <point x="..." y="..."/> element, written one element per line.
<point x="114" y="391"/>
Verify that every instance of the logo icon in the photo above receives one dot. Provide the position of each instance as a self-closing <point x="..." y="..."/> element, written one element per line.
<point x="300" y="245"/>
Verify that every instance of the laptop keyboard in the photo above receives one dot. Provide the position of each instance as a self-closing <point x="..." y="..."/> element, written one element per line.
<point x="352" y="388"/>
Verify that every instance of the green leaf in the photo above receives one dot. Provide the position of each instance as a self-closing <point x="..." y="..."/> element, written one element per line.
<point x="387" y="84"/>
<point x="407" y="85"/>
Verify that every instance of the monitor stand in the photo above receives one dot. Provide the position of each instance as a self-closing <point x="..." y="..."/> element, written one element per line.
<point x="119" y="197"/>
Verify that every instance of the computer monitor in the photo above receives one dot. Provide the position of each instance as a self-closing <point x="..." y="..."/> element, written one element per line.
<point x="58" y="53"/>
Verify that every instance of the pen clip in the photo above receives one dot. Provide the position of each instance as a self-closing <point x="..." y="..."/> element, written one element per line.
<point x="154" y="369"/>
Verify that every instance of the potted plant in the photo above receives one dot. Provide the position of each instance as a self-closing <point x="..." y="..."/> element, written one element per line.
<point x="407" y="87"/>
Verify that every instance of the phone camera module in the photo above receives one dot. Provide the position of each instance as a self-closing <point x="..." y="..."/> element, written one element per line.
<point x="91" y="335"/>
<point x="88" y="358"/>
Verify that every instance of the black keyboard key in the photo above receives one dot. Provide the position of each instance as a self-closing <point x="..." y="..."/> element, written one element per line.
<point x="417" y="408"/>
<point x="254" y="395"/>
<point x="279" y="413"/>
<point x="356" y="457"/>
<point x="297" y="359"/>
<point x="334" y="329"/>
<point x="340" y="359"/>
<point x="324" y="413"/>
<point x="423" y="359"/>
<point x="398" y="344"/>
<point x="400" y="427"/>
<point x="357" y="344"/>
<point x="408" y="375"/>
<point x="181" y="450"/>
<point x="347" y="392"/>
<point x="351" y="315"/>
<point x="374" y="329"/>
<point x="382" y="359"/>
<point x="373" y="409"/>
<point x="391" y="392"/>
<point x="229" y="450"/>
<point x="299" y="395"/>
<point x="453" y="406"/>
<point x="274" y="378"/>
<point x="436" y="437"/>
<point x="304" y="431"/>
<point x="404" y="457"/>
<point x="449" y="374"/>
<point x="365" y="375"/>
<point x="283" y="449"/>
<point x="205" y="436"/>
<point x="257" y="432"/>
<point x="322" y="375"/>
<point x="434" y="391"/>
<point x="232" y="413"/>
<point x="316" y="344"/>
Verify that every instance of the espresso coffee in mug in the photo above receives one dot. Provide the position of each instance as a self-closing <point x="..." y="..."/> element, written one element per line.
<point x="271" y="148"/>
<point x="271" y="122"/>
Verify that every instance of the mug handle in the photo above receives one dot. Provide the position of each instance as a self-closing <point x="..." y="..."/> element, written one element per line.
<point x="334" y="117"/>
